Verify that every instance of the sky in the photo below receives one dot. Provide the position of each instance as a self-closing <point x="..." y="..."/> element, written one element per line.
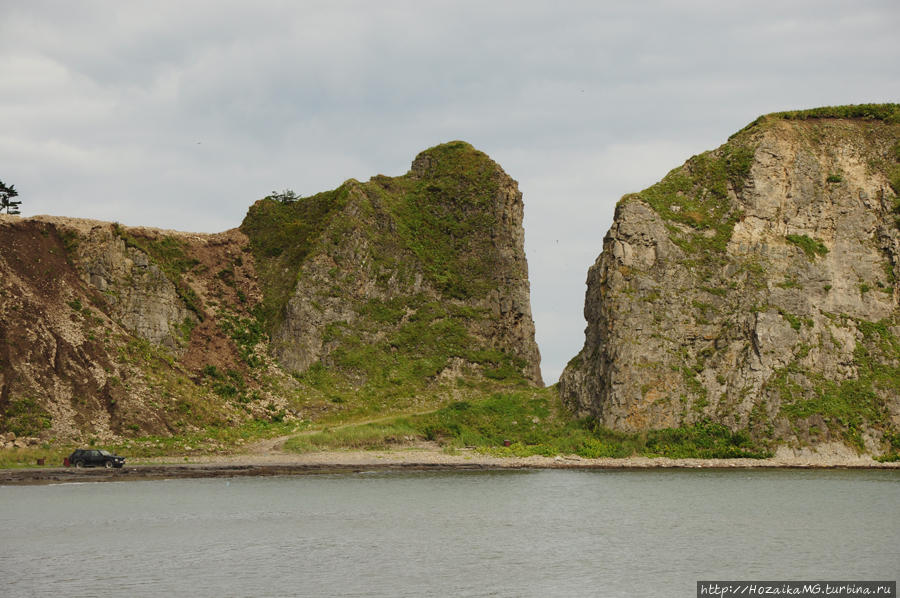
<point x="179" y="115"/>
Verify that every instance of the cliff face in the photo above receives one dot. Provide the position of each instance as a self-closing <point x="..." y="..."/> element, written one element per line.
<point x="403" y="277"/>
<point x="372" y="296"/>
<point x="108" y="331"/>
<point x="756" y="286"/>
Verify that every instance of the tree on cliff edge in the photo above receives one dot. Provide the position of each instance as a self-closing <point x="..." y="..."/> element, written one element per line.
<point x="6" y="202"/>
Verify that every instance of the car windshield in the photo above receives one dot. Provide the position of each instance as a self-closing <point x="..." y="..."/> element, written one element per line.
<point x="106" y="453"/>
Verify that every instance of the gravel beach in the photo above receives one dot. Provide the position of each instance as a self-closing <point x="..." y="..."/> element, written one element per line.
<point x="277" y="462"/>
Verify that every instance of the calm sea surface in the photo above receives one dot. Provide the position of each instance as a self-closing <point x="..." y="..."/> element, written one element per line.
<point x="521" y="533"/>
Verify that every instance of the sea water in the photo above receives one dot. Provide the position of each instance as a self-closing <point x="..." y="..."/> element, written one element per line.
<point x="495" y="533"/>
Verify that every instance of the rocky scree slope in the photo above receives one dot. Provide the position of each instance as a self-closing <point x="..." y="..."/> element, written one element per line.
<point x="756" y="286"/>
<point x="370" y="297"/>
<point x="108" y="331"/>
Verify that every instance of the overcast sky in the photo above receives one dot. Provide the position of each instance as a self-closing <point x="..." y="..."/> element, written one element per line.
<point x="181" y="114"/>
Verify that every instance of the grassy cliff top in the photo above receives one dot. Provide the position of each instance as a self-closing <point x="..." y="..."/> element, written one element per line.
<point x="454" y="160"/>
<point x="887" y="113"/>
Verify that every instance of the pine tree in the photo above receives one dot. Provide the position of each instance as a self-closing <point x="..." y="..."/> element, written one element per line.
<point x="6" y="202"/>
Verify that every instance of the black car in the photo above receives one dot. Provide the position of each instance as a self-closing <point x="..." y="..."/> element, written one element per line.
<point x="94" y="458"/>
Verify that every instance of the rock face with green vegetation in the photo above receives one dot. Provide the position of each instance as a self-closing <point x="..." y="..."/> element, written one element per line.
<point x="109" y="331"/>
<point x="393" y="295"/>
<point x="400" y="280"/>
<point x="756" y="286"/>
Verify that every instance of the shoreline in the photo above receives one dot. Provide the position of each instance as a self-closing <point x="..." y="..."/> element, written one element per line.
<point x="337" y="462"/>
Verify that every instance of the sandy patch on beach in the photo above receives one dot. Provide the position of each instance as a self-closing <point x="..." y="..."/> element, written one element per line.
<point x="425" y="454"/>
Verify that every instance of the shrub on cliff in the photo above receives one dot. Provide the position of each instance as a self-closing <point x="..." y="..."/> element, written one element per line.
<point x="6" y="202"/>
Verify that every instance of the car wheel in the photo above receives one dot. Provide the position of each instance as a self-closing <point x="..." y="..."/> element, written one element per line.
<point x="108" y="464"/>
<point x="79" y="464"/>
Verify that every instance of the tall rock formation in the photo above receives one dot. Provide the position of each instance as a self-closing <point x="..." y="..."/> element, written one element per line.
<point x="375" y="296"/>
<point x="400" y="277"/>
<point x="756" y="286"/>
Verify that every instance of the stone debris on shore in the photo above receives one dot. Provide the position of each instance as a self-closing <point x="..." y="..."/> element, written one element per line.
<point x="9" y="440"/>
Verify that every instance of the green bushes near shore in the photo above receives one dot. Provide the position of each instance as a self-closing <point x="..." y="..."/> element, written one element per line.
<point x="893" y="454"/>
<point x="212" y="440"/>
<point x="17" y="458"/>
<point x="372" y="436"/>
<point x="215" y="440"/>
<point x="525" y="423"/>
<point x="531" y="422"/>
<point x="24" y="417"/>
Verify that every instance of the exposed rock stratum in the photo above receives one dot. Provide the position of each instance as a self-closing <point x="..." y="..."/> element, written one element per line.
<point x="756" y="286"/>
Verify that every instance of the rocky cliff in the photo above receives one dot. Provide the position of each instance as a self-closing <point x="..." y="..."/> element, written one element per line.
<point x="107" y="330"/>
<point x="423" y="274"/>
<point x="370" y="297"/>
<point x="756" y="286"/>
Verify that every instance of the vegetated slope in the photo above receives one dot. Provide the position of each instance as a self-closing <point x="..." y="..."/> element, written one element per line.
<point x="756" y="287"/>
<point x="376" y="296"/>
<point x="401" y="284"/>
<point x="109" y="331"/>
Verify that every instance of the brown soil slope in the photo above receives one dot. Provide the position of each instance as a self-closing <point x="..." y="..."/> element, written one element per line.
<point x="106" y="330"/>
